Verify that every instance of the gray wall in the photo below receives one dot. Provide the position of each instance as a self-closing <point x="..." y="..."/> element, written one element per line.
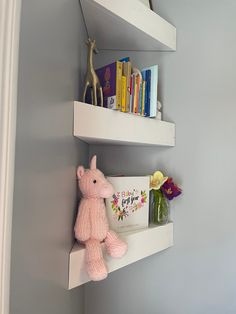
<point x="51" y="65"/>
<point x="197" y="88"/>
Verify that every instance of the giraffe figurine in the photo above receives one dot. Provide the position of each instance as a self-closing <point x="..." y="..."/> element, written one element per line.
<point x="92" y="80"/>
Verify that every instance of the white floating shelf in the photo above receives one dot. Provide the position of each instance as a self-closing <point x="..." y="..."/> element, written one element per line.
<point x="94" y="125"/>
<point x="127" y="25"/>
<point x="142" y="243"/>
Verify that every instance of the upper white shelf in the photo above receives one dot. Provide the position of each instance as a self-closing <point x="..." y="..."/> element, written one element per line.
<point x="141" y="243"/>
<point x="94" y="125"/>
<point x="127" y="25"/>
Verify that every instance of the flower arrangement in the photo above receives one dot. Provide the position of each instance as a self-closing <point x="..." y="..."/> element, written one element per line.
<point x="162" y="190"/>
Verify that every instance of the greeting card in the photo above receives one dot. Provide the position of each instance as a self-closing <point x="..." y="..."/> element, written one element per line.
<point x="128" y="208"/>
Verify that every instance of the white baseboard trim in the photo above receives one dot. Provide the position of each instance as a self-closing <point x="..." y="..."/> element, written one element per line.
<point x="9" y="49"/>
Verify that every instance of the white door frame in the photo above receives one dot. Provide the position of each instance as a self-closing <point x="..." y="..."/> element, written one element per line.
<point x="9" y="49"/>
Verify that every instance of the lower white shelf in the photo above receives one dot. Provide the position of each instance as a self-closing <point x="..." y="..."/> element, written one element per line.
<point x="142" y="243"/>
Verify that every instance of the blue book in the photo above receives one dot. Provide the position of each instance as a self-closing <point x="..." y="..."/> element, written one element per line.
<point x="153" y="90"/>
<point x="147" y="93"/>
<point x="126" y="59"/>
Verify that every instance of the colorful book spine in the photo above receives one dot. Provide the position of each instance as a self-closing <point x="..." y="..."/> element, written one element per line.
<point x="131" y="93"/>
<point x="140" y="98"/>
<point x="147" y="93"/>
<point x="134" y="100"/>
<point x="118" y="84"/>
<point x="127" y="74"/>
<point x="144" y="80"/>
<point x="125" y="59"/>
<point x="136" y="94"/>
<point x="123" y="93"/>
<point x="153" y="90"/>
<point x="143" y="97"/>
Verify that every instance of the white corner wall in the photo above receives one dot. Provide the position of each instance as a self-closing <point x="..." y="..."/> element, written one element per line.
<point x="197" y="88"/>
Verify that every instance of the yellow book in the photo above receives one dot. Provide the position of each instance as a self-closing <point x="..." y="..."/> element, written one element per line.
<point x="136" y="93"/>
<point x="118" y="84"/>
<point x="123" y="93"/>
<point x="143" y="97"/>
<point x="127" y="74"/>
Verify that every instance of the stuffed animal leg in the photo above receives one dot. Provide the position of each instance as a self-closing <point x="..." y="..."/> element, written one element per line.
<point x="95" y="264"/>
<point x="114" y="245"/>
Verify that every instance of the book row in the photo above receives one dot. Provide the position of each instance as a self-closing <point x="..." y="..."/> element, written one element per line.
<point x="128" y="89"/>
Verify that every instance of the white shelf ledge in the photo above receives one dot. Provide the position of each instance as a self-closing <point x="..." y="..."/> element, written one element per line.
<point x="142" y="243"/>
<point x="127" y="25"/>
<point x="94" y="125"/>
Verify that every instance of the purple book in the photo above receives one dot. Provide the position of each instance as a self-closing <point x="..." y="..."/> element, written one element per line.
<point x="108" y="77"/>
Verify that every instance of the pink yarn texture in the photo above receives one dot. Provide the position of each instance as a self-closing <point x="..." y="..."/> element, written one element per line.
<point x="91" y="225"/>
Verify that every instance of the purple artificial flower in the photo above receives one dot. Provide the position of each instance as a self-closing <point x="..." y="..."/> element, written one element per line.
<point x="170" y="190"/>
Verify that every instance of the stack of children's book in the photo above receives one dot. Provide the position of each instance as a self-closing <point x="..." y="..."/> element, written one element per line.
<point x="128" y="89"/>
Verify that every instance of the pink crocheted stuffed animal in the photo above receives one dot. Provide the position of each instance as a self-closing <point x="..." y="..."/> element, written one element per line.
<point x="91" y="225"/>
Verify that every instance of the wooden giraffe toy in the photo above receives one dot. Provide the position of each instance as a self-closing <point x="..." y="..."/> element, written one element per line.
<point x="92" y="80"/>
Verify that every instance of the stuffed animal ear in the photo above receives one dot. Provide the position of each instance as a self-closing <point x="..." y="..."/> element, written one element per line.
<point x="93" y="163"/>
<point x="80" y="172"/>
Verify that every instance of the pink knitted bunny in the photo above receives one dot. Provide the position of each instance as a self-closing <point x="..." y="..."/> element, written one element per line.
<point x="91" y="225"/>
